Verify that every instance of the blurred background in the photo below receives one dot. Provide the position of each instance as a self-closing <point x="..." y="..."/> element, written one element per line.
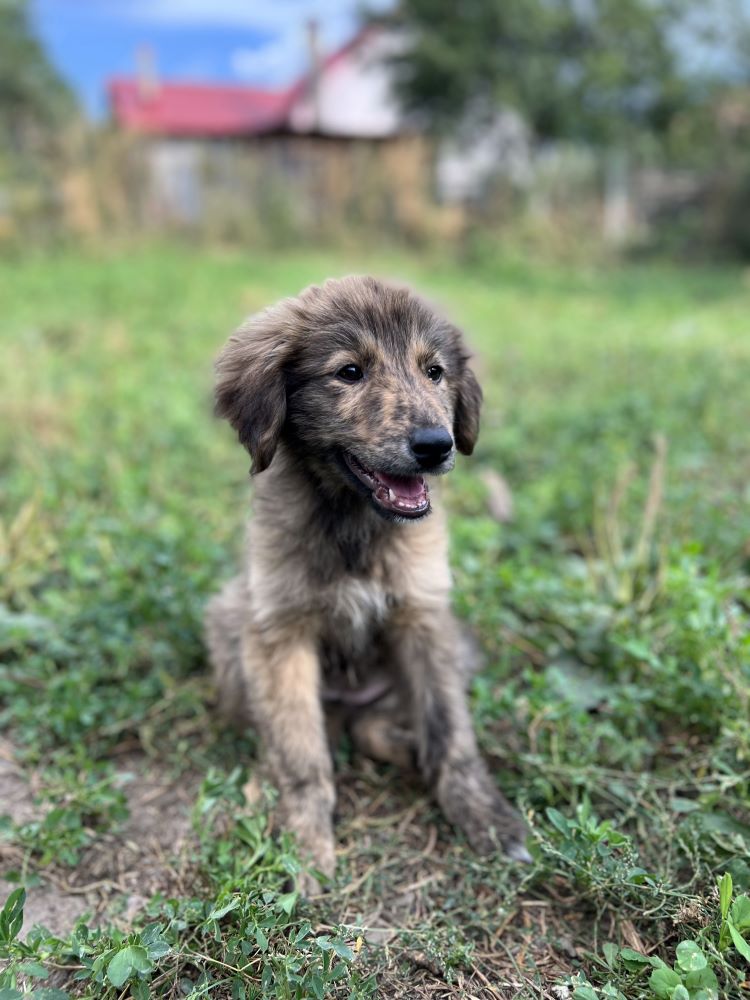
<point x="570" y="126"/>
<point x="570" y="179"/>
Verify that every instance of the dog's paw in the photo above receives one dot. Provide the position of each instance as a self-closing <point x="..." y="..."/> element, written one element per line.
<point x="253" y="792"/>
<point x="473" y="803"/>
<point x="317" y="856"/>
<point x="497" y="827"/>
<point x="307" y="885"/>
<point x="323" y="863"/>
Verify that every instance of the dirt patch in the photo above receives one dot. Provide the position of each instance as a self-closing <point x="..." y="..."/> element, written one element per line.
<point x="122" y="869"/>
<point x="45" y="904"/>
<point x="147" y="854"/>
<point x="16" y="797"/>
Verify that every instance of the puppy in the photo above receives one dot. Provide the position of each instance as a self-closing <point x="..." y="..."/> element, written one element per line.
<point x="348" y="398"/>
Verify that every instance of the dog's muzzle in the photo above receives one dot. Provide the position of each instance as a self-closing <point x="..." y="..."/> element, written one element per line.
<point x="407" y="496"/>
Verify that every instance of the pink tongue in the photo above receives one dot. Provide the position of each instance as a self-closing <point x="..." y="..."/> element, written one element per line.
<point x="410" y="487"/>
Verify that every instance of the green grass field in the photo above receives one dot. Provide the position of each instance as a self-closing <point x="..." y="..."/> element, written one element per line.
<point x="613" y="610"/>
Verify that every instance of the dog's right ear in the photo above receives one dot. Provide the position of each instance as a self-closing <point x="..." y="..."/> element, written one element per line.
<point x="251" y="384"/>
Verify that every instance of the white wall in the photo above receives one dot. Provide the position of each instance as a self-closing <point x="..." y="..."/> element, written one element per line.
<point x="354" y="94"/>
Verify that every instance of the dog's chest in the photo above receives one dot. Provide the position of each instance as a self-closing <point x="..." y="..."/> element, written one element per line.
<point x="354" y="622"/>
<point x="354" y="608"/>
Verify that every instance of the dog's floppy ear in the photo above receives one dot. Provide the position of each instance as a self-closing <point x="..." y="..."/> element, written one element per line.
<point x="251" y="384"/>
<point x="466" y="415"/>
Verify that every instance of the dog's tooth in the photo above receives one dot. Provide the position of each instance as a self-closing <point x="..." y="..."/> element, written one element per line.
<point x="391" y="495"/>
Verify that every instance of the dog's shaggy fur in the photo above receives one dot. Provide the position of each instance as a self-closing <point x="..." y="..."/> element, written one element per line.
<point x="343" y="609"/>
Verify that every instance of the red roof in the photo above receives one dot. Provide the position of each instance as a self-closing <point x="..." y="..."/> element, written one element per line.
<point x="191" y="109"/>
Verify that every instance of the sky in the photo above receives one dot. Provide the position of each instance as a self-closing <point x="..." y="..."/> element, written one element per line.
<point x="257" y="42"/>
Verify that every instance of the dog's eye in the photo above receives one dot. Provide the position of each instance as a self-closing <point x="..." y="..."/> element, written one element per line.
<point x="434" y="373"/>
<point x="350" y="373"/>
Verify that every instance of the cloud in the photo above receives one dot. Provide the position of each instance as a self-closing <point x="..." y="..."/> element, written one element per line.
<point x="285" y="55"/>
<point x="259" y="14"/>
<point x="201" y="66"/>
<point x="278" y="62"/>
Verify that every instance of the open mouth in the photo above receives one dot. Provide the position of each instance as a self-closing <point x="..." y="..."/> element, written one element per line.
<point x="407" y="496"/>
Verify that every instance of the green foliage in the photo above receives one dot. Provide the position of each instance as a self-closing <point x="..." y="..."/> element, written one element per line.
<point x="36" y="109"/>
<point x="81" y="805"/>
<point x="735" y="918"/>
<point x="24" y="961"/>
<point x="690" y="979"/>
<point x="11" y="917"/>
<point x="595" y="854"/>
<point x="32" y="95"/>
<point x="244" y="934"/>
<point x="597" y="70"/>
<point x="693" y="974"/>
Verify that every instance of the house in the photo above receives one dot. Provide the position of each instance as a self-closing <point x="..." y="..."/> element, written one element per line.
<point x="346" y="95"/>
<point x="335" y="139"/>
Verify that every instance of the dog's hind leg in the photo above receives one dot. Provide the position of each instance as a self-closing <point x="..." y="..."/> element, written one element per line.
<point x="383" y="732"/>
<point x="225" y="614"/>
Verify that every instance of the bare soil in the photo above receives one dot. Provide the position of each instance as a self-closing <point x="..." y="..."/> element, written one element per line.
<point x="121" y="870"/>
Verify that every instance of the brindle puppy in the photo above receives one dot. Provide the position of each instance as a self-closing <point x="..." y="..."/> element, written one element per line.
<point x="346" y="398"/>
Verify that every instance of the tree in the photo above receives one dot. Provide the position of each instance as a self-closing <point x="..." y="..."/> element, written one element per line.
<point x="34" y="99"/>
<point x="580" y="69"/>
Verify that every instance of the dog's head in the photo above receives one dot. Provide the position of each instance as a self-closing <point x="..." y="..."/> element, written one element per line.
<point x="365" y="385"/>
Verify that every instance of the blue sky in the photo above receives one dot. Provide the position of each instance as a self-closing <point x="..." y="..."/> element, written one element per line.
<point x="246" y="41"/>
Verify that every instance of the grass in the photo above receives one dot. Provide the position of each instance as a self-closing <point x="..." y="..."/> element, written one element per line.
<point x="613" y="610"/>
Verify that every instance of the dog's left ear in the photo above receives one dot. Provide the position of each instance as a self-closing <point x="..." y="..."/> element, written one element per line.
<point x="466" y="415"/>
<point x="251" y="382"/>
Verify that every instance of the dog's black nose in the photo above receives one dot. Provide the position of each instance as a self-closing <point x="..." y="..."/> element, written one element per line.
<point x="431" y="446"/>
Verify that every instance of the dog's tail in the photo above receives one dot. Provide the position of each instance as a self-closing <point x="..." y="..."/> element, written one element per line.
<point x="223" y="630"/>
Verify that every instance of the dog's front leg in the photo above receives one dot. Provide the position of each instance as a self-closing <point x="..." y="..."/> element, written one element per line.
<point x="283" y="679"/>
<point x="428" y="651"/>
